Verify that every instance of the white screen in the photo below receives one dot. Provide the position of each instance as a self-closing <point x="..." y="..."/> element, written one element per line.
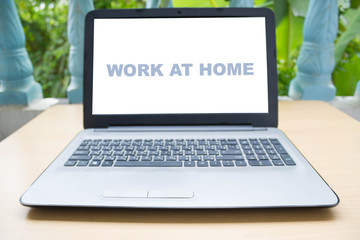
<point x="180" y="65"/>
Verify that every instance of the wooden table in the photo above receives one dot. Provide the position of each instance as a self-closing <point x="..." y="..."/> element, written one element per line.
<point x="327" y="137"/>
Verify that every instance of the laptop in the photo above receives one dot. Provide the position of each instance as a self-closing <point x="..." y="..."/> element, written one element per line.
<point x="180" y="111"/>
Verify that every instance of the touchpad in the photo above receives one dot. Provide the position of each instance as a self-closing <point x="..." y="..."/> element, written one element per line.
<point x="164" y="194"/>
<point x="170" y="194"/>
<point x="124" y="193"/>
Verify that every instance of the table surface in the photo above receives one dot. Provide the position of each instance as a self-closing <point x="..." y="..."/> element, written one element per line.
<point x="328" y="138"/>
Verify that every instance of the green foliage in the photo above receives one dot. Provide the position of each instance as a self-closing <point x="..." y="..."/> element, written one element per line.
<point x="45" y="25"/>
<point x="347" y="49"/>
<point x="347" y="71"/>
<point x="113" y="4"/>
<point x="351" y="25"/>
<point x="289" y="16"/>
<point x="200" y="3"/>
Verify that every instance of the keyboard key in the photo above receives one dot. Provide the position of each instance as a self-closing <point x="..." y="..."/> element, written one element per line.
<point x="82" y="163"/>
<point x="164" y="148"/>
<point x="230" y="152"/>
<point x="83" y="147"/>
<point x="141" y="153"/>
<point x="95" y="153"/>
<point x="110" y="158"/>
<point x="228" y="163"/>
<point x="200" y="152"/>
<point x="159" y="158"/>
<point x="95" y="163"/>
<point x="208" y="158"/>
<point x="183" y="158"/>
<point x="278" y="163"/>
<point x="107" y="148"/>
<point x="178" y="152"/>
<point x="95" y="148"/>
<point x="165" y="153"/>
<point x="70" y="163"/>
<point x="134" y="158"/>
<point x="115" y="143"/>
<point x="174" y="148"/>
<point x="257" y="147"/>
<point x="129" y="153"/>
<point x="251" y="157"/>
<point x="189" y="152"/>
<point x="118" y="153"/>
<point x="240" y="163"/>
<point x="230" y="157"/>
<point x="213" y="152"/>
<point x="215" y="163"/>
<point x="195" y="158"/>
<point x="231" y="142"/>
<point x="79" y="157"/>
<point x="260" y="163"/>
<point x="202" y="164"/>
<point x="107" y="163"/>
<point x="98" y="158"/>
<point x="140" y="148"/>
<point x="271" y="151"/>
<point x="246" y="147"/>
<point x="274" y="141"/>
<point x="280" y="149"/>
<point x="85" y="142"/>
<point x="122" y="158"/>
<point x="233" y="147"/>
<point x="107" y="153"/>
<point x="153" y="148"/>
<point x="287" y="159"/>
<point x="198" y="148"/>
<point x="274" y="157"/>
<point x="268" y="147"/>
<point x="263" y="157"/>
<point x="171" y="158"/>
<point x="94" y="143"/>
<point x="148" y="164"/>
<point x="189" y="164"/>
<point x="146" y="158"/>
<point x="118" y="148"/>
<point x="243" y="141"/>
<point x="153" y="153"/>
<point x="260" y="152"/>
<point x="249" y="152"/>
<point x="218" y="147"/>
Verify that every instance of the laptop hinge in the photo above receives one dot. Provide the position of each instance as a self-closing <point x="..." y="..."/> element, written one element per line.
<point x="218" y="128"/>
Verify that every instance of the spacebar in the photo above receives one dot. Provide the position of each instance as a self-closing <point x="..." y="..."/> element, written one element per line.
<point x="147" y="164"/>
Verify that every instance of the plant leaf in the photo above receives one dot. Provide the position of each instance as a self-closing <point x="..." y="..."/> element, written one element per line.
<point x="351" y="31"/>
<point x="200" y="3"/>
<point x="281" y="8"/>
<point x="282" y="36"/>
<point x="346" y="77"/>
<point x="299" y="7"/>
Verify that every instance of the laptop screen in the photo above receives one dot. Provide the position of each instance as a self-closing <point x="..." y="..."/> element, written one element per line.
<point x="179" y="66"/>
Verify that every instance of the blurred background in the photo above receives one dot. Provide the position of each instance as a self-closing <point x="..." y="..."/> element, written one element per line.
<point x="45" y="26"/>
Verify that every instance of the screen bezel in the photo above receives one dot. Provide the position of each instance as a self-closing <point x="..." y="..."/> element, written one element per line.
<point x="269" y="119"/>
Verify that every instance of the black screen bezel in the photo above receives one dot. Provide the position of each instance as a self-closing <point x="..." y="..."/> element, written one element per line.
<point x="269" y="119"/>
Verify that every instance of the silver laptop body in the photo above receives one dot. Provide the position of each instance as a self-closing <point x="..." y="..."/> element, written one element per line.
<point x="180" y="111"/>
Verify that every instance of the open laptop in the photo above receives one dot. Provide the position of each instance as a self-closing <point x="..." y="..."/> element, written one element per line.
<point x="180" y="111"/>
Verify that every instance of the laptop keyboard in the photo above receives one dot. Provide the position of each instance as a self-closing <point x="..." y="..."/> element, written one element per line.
<point x="180" y="153"/>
